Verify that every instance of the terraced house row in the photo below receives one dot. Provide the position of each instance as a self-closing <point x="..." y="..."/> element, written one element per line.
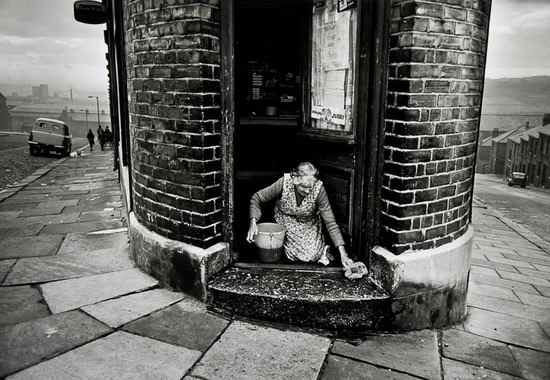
<point x="524" y="149"/>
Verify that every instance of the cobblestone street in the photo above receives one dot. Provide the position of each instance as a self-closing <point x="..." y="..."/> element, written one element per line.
<point x="73" y="305"/>
<point x="15" y="161"/>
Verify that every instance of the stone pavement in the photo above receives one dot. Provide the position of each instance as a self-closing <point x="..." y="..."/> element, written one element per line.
<point x="73" y="306"/>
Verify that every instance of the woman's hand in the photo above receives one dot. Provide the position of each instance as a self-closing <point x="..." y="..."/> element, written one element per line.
<point x="352" y="269"/>
<point x="252" y="230"/>
<point x="344" y="258"/>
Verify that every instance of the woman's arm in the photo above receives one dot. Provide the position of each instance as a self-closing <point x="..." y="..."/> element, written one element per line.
<point x="327" y="215"/>
<point x="332" y="227"/>
<point x="264" y="195"/>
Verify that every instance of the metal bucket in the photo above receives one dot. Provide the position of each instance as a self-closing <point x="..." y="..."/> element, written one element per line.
<point x="269" y="240"/>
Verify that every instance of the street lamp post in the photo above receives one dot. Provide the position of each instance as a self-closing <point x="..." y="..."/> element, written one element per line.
<point x="97" y="102"/>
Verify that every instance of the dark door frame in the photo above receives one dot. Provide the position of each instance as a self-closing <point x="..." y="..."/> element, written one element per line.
<point x="370" y="103"/>
<point x="369" y="113"/>
<point x="118" y="93"/>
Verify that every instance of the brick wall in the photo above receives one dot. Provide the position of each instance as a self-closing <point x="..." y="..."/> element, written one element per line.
<point x="437" y="59"/>
<point x="173" y="50"/>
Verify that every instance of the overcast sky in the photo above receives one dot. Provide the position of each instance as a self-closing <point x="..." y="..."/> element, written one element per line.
<point x="41" y="43"/>
<point x="519" y="39"/>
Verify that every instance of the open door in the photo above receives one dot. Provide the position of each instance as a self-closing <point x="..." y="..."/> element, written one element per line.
<point x="303" y="92"/>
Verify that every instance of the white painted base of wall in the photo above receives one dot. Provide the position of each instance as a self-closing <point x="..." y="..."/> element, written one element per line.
<point x="428" y="287"/>
<point x="175" y="264"/>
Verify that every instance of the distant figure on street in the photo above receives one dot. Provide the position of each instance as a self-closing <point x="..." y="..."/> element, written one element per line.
<point x="90" y="136"/>
<point x="101" y="137"/>
<point x="108" y="136"/>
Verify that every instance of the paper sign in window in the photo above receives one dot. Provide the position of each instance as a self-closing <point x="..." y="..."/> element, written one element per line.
<point x="332" y="66"/>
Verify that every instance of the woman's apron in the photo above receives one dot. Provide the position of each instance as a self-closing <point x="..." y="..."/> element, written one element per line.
<point x="304" y="240"/>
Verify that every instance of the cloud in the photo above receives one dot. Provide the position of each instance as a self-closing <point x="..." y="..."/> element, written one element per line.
<point x="41" y="42"/>
<point x="518" y="38"/>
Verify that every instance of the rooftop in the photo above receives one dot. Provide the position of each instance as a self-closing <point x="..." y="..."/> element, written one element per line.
<point x="533" y="132"/>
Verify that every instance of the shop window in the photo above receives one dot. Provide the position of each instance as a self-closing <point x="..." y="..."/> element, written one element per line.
<point x="333" y="45"/>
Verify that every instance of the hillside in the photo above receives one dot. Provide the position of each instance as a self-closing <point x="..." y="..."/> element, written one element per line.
<point x="509" y="102"/>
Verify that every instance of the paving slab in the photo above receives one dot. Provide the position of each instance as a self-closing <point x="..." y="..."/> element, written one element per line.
<point x="28" y="230"/>
<point x="536" y="273"/>
<point x="39" y="211"/>
<point x="86" y="216"/>
<point x="122" y="310"/>
<point x="30" y="342"/>
<point x="82" y="243"/>
<point x="20" y="304"/>
<point x="512" y="308"/>
<point x="24" y="196"/>
<point x="5" y="206"/>
<point x="415" y="353"/>
<point x="345" y="369"/>
<point x="480" y="351"/>
<point x="5" y="267"/>
<point x="514" y="285"/>
<point x="542" y="259"/>
<point x="54" y="268"/>
<point x="7" y="215"/>
<point x="508" y="329"/>
<point x="531" y="299"/>
<point x="54" y="204"/>
<point x="544" y="268"/>
<point x="30" y="246"/>
<point x="489" y="264"/>
<point x="73" y="293"/>
<point x="45" y="220"/>
<point x="534" y="365"/>
<point x="67" y="228"/>
<point x="460" y="371"/>
<point x="506" y="261"/>
<point x="494" y="291"/>
<point x="186" y="324"/>
<point x="117" y="356"/>
<point x="544" y="290"/>
<point x="524" y="278"/>
<point x="246" y="351"/>
<point x="483" y="271"/>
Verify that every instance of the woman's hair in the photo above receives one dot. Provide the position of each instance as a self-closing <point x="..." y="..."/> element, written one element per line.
<point x="304" y="169"/>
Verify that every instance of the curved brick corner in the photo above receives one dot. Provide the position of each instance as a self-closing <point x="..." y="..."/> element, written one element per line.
<point x="436" y="72"/>
<point x="173" y="68"/>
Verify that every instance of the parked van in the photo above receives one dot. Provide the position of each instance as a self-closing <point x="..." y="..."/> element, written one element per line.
<point x="50" y="135"/>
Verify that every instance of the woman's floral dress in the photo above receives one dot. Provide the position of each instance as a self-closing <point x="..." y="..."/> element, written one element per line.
<point x="304" y="240"/>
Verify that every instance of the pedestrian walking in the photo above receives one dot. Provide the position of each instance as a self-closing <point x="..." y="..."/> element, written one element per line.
<point x="108" y="136"/>
<point x="101" y="137"/>
<point x="90" y="136"/>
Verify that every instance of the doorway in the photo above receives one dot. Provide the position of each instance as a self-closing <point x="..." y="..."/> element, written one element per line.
<point x="280" y="108"/>
<point x="270" y="46"/>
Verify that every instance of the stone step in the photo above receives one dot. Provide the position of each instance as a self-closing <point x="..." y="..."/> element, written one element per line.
<point x="308" y="298"/>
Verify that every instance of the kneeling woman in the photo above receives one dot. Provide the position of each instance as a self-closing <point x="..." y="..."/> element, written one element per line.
<point x="301" y="204"/>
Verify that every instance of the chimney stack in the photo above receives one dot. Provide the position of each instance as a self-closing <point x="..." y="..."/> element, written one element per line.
<point x="495" y="133"/>
<point x="546" y="119"/>
<point x="527" y="125"/>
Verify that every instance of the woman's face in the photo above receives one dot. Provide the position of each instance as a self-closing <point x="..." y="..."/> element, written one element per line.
<point x="304" y="184"/>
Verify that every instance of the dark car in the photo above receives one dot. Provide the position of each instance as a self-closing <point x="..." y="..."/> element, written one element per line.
<point x="517" y="178"/>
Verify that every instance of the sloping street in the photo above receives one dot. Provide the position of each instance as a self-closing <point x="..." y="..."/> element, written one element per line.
<point x="528" y="206"/>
